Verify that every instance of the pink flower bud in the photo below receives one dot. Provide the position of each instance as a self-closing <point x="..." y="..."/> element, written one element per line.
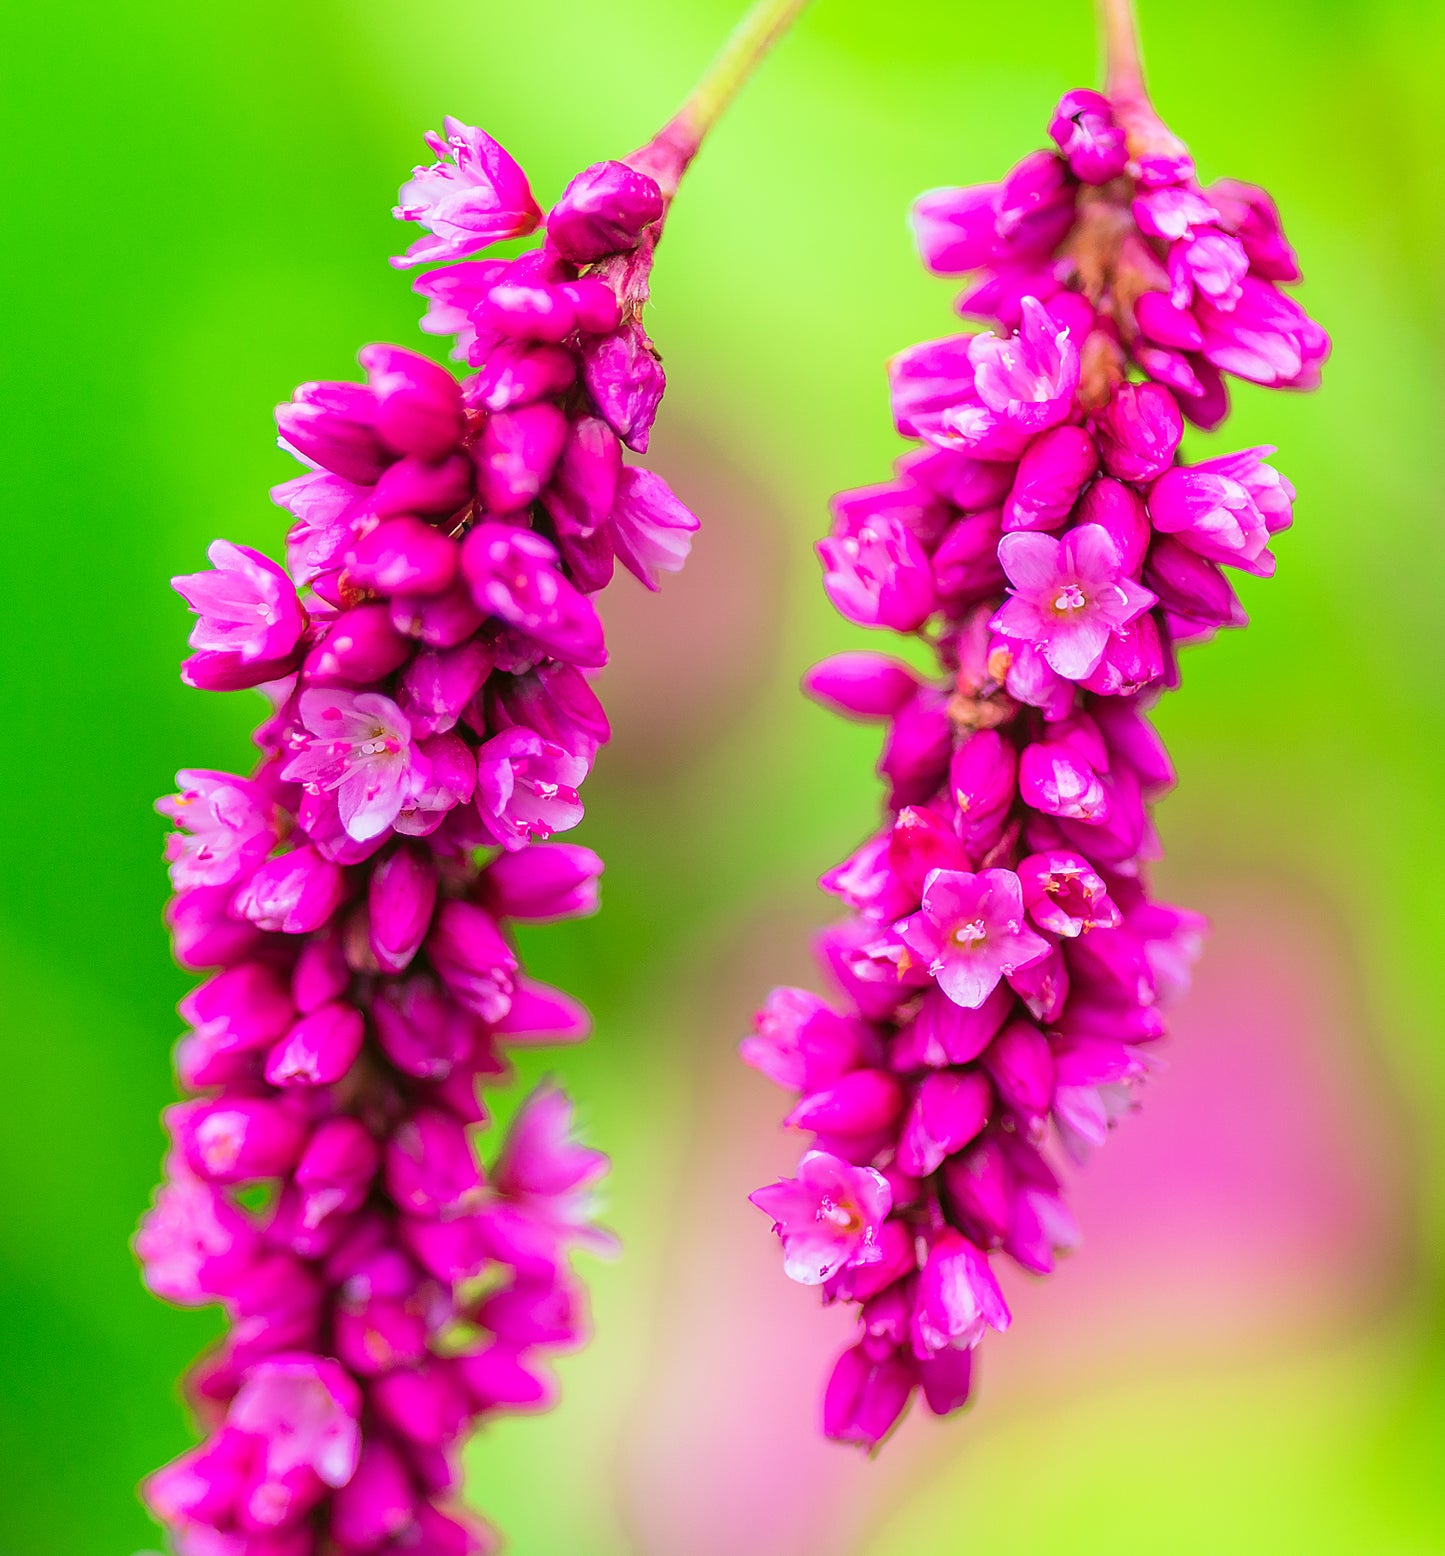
<point x="1052" y="473"/>
<point x="1190" y="586"/>
<point x="1022" y="1067"/>
<point x="521" y="373"/>
<point x="1120" y="512"/>
<point x="955" y="228"/>
<point x="947" y="1379"/>
<point x="336" y="1169"/>
<point x="319" y="1049"/>
<point x="978" y="1187"/>
<point x="1055" y="779"/>
<point x="943" y="1033"/>
<point x="865" y="1397"/>
<point x="437" y="684"/>
<point x="378" y="1503"/>
<point x="361" y="646"/>
<point x="421" y="1031"/>
<point x="500" y="1376"/>
<point x="916" y="750"/>
<point x="861" y="685"/>
<point x="418" y="404"/>
<point x="441" y="621"/>
<point x="472" y="959"/>
<point x="542" y="1015"/>
<point x="400" y="900"/>
<point x="429" y="1166"/>
<point x="238" y="1140"/>
<point x="861" y="1102"/>
<point x="949" y="1108"/>
<point x="557" y="702"/>
<point x="543" y="882"/>
<point x="1160" y="320"/>
<point x="425" y="1404"/>
<point x="604" y="210"/>
<point x="1139" y="432"/>
<point x="981" y="783"/>
<point x="625" y="379"/>
<point x="204" y="933"/>
<point x="403" y="556"/>
<point x="517" y="454"/>
<point x="650" y="529"/>
<point x="320" y="974"/>
<point x="246" y="1007"/>
<point x="294" y="893"/>
<point x="331" y="424"/>
<point x="1083" y="128"/>
<point x="513" y="575"/>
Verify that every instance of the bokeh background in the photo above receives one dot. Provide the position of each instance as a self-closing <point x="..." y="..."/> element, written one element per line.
<point x="1248" y="1355"/>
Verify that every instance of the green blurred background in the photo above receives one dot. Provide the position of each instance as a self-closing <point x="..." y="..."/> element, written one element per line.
<point x="1249" y="1353"/>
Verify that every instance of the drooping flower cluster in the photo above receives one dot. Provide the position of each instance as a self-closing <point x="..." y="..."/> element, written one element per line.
<point x="427" y="656"/>
<point x="1004" y="970"/>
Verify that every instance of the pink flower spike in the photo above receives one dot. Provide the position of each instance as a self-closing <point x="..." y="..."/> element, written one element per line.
<point x="1069" y="595"/>
<point x="828" y="1217"/>
<point x="971" y="932"/>
<point x="361" y="747"/>
<point x="474" y="195"/>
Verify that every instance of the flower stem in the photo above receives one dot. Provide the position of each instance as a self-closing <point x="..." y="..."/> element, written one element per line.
<point x="669" y="152"/>
<point x="1123" y="66"/>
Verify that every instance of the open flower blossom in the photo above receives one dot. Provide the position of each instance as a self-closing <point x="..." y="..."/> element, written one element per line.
<point x="1004" y="971"/>
<point x="828" y="1217"/>
<point x="970" y="930"/>
<point x="351" y="901"/>
<point x="1068" y="597"/>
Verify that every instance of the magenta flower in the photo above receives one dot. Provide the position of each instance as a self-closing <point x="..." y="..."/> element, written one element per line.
<point x="1212" y="513"/>
<point x="359" y="744"/>
<point x="1069" y="596"/>
<point x="472" y="196"/>
<point x="958" y="1298"/>
<point x="971" y="932"/>
<point x="1028" y="380"/>
<point x="828" y="1217"/>
<point x="877" y="574"/>
<point x="527" y="787"/>
<point x="1004" y="971"/>
<point x="250" y="620"/>
<point x="225" y="828"/>
<point x="651" y="530"/>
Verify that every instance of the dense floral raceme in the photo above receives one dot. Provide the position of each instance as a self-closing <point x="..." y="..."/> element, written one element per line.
<point x="1004" y="972"/>
<point x="427" y="654"/>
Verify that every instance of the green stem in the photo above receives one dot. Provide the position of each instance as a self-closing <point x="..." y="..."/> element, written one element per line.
<point x="752" y="38"/>
<point x="667" y="155"/>
<point x="1123" y="66"/>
